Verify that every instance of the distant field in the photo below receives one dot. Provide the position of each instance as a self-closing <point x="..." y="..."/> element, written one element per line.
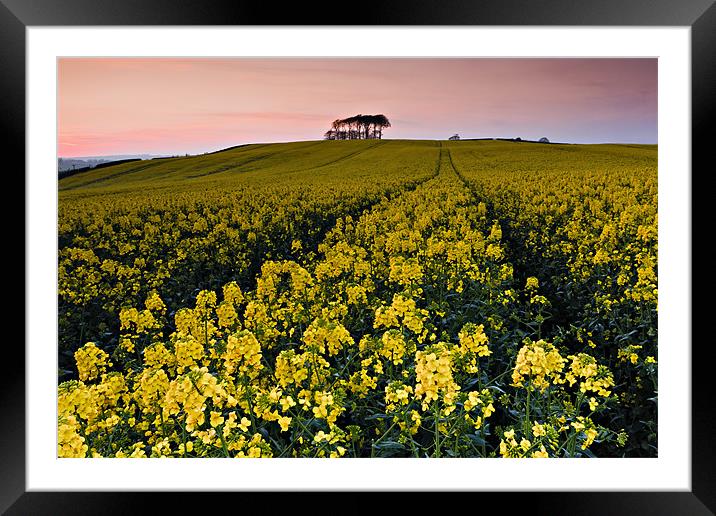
<point x="362" y="298"/>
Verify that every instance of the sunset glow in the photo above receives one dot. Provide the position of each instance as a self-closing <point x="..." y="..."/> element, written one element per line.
<point x="177" y="106"/>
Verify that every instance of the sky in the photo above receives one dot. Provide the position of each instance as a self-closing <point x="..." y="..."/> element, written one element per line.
<point x="170" y="106"/>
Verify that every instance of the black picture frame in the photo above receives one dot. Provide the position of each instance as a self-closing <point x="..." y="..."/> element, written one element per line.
<point x="699" y="15"/>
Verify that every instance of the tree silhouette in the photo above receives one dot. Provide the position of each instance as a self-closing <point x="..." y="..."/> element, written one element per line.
<point x="382" y="122"/>
<point x="358" y="127"/>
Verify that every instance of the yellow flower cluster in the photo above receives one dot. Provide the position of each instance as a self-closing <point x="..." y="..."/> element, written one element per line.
<point x="91" y="362"/>
<point x="483" y="401"/>
<point x="325" y="336"/>
<point x="401" y="313"/>
<point x="511" y="448"/>
<point x="473" y="344"/>
<point x="591" y="376"/>
<point x="433" y="376"/>
<point x="243" y="353"/>
<point x="397" y="394"/>
<point x="538" y="363"/>
<point x="629" y="353"/>
<point x="394" y="346"/>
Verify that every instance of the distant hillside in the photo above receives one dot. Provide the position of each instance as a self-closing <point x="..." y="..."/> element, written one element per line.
<point x="86" y="162"/>
<point x="274" y="158"/>
<point x="263" y="161"/>
<point x="74" y="163"/>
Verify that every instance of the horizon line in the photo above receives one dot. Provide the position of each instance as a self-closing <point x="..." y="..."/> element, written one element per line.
<point x="483" y="138"/>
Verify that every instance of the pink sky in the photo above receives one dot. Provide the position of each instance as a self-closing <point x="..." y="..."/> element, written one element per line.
<point x="177" y="106"/>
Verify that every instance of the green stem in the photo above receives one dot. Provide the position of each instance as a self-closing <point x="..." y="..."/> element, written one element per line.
<point x="407" y="426"/>
<point x="183" y="434"/>
<point x="436" y="415"/>
<point x="223" y="442"/>
<point x="161" y="419"/>
<point x="526" y="426"/>
<point x="372" y="446"/>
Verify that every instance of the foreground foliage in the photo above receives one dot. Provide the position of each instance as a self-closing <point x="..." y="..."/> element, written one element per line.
<point x="471" y="300"/>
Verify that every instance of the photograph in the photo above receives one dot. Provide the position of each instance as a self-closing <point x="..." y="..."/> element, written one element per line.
<point x="421" y="238"/>
<point x="357" y="257"/>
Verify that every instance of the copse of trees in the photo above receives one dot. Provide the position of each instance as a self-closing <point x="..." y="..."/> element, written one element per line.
<point x="358" y="127"/>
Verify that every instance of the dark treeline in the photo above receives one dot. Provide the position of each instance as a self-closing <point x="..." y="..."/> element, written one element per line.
<point x="359" y="127"/>
<point x="72" y="171"/>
